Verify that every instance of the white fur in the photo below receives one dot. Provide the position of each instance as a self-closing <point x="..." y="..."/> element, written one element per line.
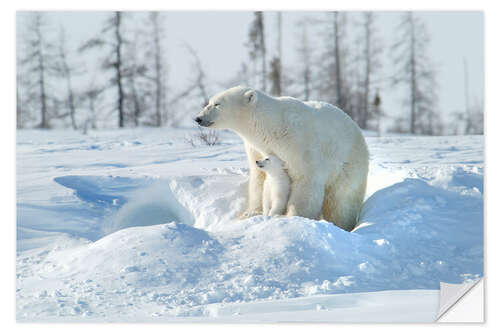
<point x="323" y="148"/>
<point x="276" y="186"/>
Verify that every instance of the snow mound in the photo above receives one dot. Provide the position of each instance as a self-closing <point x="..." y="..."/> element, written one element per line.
<point x="444" y="228"/>
<point x="192" y="258"/>
<point x="172" y="254"/>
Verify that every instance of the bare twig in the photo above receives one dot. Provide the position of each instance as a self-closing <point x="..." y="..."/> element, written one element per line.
<point x="208" y="138"/>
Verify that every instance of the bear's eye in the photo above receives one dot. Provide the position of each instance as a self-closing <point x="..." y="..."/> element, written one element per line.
<point x="267" y="159"/>
<point x="217" y="105"/>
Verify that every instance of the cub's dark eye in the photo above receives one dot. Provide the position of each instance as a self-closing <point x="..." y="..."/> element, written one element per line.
<point x="267" y="159"/>
<point x="217" y="104"/>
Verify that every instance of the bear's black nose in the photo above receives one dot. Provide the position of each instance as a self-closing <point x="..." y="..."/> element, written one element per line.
<point x="197" y="119"/>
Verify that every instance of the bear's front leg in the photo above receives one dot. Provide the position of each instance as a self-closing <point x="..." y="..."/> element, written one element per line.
<point x="255" y="184"/>
<point x="306" y="198"/>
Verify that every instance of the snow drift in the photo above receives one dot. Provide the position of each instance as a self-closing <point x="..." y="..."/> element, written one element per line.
<point x="172" y="246"/>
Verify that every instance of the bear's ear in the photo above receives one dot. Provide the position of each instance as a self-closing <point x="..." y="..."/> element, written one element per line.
<point x="250" y="97"/>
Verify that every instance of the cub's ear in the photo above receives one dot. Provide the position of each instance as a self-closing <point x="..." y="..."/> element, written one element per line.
<point x="250" y="97"/>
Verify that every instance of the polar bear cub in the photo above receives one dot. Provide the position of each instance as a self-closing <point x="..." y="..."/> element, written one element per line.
<point x="276" y="186"/>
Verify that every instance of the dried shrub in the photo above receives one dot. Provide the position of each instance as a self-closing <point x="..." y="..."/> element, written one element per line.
<point x="208" y="137"/>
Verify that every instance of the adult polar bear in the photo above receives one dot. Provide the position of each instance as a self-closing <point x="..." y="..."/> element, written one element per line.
<point x="324" y="150"/>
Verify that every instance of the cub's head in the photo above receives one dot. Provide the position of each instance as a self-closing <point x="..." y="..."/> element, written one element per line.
<point x="271" y="164"/>
<point x="228" y="109"/>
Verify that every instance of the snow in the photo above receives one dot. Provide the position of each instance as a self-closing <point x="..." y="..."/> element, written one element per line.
<point x="138" y="225"/>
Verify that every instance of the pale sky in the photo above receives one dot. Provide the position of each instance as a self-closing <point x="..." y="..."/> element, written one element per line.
<point x="219" y="39"/>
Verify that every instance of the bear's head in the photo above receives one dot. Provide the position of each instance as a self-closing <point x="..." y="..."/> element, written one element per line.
<point x="271" y="165"/>
<point x="228" y="109"/>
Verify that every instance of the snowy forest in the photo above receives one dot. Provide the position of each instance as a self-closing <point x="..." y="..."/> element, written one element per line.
<point x="122" y="77"/>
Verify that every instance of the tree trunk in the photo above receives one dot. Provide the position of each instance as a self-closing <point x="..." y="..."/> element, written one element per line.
<point x="368" y="70"/>
<point x="135" y="100"/>
<point x="69" y="87"/>
<point x="307" y="84"/>
<point x="66" y="73"/>
<point x="19" y="110"/>
<point x="71" y="101"/>
<point x="41" y="81"/>
<point x="338" y="74"/>
<point x="262" y="50"/>
<point x="280" y="37"/>
<point x="305" y="60"/>
<point x="92" y="112"/>
<point x="468" y="118"/>
<point x="413" y="81"/>
<point x="118" y="69"/>
<point x="158" y="72"/>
